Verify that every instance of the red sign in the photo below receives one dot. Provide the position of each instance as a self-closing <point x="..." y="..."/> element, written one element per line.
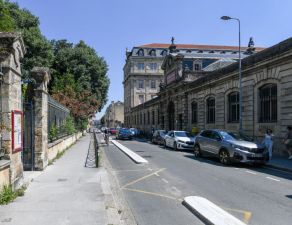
<point x="170" y="77"/>
<point x="17" y="131"/>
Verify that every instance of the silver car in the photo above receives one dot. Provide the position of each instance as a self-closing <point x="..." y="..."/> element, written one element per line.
<point x="229" y="147"/>
<point x="179" y="140"/>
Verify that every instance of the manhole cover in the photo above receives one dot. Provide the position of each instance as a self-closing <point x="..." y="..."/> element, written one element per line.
<point x="62" y="179"/>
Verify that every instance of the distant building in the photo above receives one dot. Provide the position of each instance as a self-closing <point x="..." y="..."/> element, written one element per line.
<point x="114" y="115"/>
<point x="143" y="71"/>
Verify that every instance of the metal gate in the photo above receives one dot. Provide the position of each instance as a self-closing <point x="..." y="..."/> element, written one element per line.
<point x="28" y="139"/>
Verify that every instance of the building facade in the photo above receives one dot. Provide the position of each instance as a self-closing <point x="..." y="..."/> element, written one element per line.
<point x="114" y="115"/>
<point x="143" y="72"/>
<point x="210" y="99"/>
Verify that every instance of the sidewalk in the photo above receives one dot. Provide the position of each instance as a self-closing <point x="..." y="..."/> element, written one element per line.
<point x="65" y="193"/>
<point x="280" y="162"/>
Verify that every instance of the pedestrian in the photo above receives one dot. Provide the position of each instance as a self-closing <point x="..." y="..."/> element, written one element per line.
<point x="268" y="142"/>
<point x="288" y="141"/>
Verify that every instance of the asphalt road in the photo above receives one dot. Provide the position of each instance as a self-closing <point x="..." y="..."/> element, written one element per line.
<point x="154" y="191"/>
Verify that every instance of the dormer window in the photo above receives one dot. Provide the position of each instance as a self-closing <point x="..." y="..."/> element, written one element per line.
<point x="222" y="52"/>
<point x="188" y="51"/>
<point x="197" y="65"/>
<point x="163" y="52"/>
<point x="200" y="51"/>
<point x="234" y="52"/>
<point x="140" y="52"/>
<point x="211" y="51"/>
<point x="152" y="52"/>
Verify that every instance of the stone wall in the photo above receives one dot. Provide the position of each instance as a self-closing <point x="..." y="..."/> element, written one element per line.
<point x="62" y="144"/>
<point x="12" y="50"/>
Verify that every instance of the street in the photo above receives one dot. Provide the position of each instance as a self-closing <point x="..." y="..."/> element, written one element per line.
<point x="155" y="191"/>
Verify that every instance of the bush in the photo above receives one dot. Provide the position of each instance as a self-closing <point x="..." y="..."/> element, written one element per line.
<point x="69" y="125"/>
<point x="53" y="134"/>
<point x="6" y="195"/>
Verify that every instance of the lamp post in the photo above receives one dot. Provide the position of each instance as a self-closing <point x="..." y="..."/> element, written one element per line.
<point x="239" y="70"/>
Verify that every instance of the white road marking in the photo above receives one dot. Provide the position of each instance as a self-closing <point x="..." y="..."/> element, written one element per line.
<point x="271" y="178"/>
<point x="164" y="180"/>
<point x="156" y="174"/>
<point x="247" y="171"/>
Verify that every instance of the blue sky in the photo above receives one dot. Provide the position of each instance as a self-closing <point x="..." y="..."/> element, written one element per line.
<point x="111" y="26"/>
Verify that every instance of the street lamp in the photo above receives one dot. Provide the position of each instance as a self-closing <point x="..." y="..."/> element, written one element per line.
<point x="239" y="69"/>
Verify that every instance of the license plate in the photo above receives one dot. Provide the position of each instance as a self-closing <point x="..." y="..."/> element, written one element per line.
<point x="257" y="155"/>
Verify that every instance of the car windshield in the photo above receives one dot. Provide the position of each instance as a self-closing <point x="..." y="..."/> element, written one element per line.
<point x="183" y="134"/>
<point x="162" y="133"/>
<point x="234" y="136"/>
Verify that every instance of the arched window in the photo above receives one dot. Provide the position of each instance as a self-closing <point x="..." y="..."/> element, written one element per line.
<point x="140" y="52"/>
<point x="163" y="52"/>
<point x="210" y="110"/>
<point x="233" y="107"/>
<point x="197" y="65"/>
<point x="268" y="103"/>
<point x="152" y="52"/>
<point x="194" y="112"/>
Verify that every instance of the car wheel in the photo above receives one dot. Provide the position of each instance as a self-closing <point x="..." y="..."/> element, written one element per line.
<point x="174" y="146"/>
<point x="197" y="151"/>
<point x="224" y="157"/>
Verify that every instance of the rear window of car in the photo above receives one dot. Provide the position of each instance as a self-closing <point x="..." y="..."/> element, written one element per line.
<point x="206" y="133"/>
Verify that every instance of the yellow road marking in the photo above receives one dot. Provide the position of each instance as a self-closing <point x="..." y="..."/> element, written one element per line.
<point x="143" y="178"/>
<point x="153" y="193"/>
<point x="246" y="214"/>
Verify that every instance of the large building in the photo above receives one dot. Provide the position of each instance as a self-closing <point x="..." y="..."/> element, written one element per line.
<point x="143" y="74"/>
<point x="114" y="115"/>
<point x="210" y="99"/>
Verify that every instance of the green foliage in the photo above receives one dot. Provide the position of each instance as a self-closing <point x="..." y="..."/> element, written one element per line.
<point x="79" y="75"/>
<point x="53" y="134"/>
<point x="8" y="195"/>
<point x="69" y="125"/>
<point x="7" y="23"/>
<point x="39" y="49"/>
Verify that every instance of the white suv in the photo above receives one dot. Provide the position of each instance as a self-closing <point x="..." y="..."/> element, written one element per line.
<point x="179" y="140"/>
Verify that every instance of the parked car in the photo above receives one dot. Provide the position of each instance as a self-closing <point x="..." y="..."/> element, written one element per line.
<point x="134" y="132"/>
<point x="229" y="147"/>
<point x="179" y="140"/>
<point x="113" y="131"/>
<point x="124" y="133"/>
<point x="158" y="137"/>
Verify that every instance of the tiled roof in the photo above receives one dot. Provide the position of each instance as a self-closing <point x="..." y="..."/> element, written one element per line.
<point x="201" y="47"/>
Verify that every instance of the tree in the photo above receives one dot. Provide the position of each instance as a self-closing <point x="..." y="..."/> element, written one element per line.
<point x="6" y="21"/>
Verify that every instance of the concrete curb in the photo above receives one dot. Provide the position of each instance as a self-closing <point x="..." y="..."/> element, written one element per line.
<point x="135" y="157"/>
<point x="210" y="213"/>
<point x="279" y="167"/>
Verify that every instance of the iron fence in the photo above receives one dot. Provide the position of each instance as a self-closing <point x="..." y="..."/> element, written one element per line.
<point x="57" y="115"/>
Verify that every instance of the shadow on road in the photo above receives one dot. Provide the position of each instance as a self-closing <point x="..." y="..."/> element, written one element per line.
<point x="257" y="168"/>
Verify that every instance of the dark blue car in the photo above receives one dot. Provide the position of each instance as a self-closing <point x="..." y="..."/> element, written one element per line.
<point x="124" y="133"/>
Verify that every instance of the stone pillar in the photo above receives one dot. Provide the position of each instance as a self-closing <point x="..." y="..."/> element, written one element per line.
<point x="11" y="51"/>
<point x="41" y="76"/>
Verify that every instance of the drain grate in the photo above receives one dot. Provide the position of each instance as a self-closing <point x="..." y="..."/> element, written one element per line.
<point x="62" y="179"/>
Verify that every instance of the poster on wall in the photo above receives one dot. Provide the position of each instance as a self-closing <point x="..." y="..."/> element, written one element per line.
<point x="17" y="131"/>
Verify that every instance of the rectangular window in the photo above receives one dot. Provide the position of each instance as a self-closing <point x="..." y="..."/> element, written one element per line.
<point x="194" y="112"/>
<point x="233" y="104"/>
<point x="140" y="84"/>
<point x="148" y="120"/>
<point x="140" y="66"/>
<point x="153" y="84"/>
<point x="158" y="117"/>
<point x="153" y="117"/>
<point x="268" y="103"/>
<point x="141" y="99"/>
<point x="153" y="66"/>
<point x="211" y="110"/>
